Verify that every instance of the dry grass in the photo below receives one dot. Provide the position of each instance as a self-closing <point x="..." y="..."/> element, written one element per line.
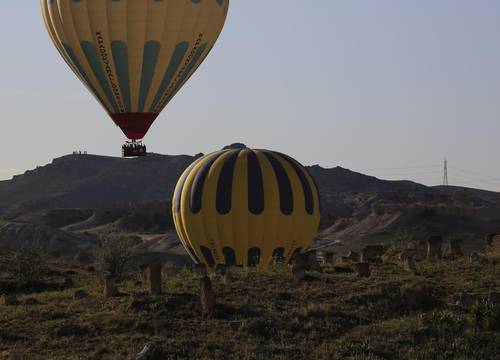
<point x="264" y="314"/>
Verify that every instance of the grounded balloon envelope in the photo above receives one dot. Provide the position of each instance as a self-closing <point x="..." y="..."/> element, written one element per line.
<point x="245" y="207"/>
<point x="134" y="55"/>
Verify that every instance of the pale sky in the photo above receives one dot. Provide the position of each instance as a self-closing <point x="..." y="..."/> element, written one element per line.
<point x="388" y="87"/>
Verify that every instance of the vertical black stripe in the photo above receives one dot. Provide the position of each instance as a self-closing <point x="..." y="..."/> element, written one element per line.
<point x="255" y="184"/>
<point x="294" y="254"/>
<point x="229" y="256"/>
<point x="306" y="187"/>
<point x="199" y="183"/>
<point x="284" y="185"/>
<point x="207" y="254"/>
<point x="193" y="254"/>
<point x="225" y="184"/>
<point x="182" y="182"/>
<point x="278" y="254"/>
<point x="253" y="256"/>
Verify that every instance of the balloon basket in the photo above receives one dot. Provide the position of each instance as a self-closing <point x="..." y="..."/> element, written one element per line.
<point x="133" y="149"/>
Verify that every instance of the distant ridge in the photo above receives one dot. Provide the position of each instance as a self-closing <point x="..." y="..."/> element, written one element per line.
<point x="94" y="181"/>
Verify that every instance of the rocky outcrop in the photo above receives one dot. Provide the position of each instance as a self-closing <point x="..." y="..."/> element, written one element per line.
<point x="14" y="235"/>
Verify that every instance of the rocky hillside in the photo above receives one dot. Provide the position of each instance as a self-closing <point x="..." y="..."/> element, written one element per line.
<point x="78" y="194"/>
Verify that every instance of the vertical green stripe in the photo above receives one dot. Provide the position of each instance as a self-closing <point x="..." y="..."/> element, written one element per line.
<point x="76" y="62"/>
<point x="151" y="52"/>
<point x="186" y="74"/>
<point x="175" y="62"/>
<point x="120" y="56"/>
<point x="93" y="59"/>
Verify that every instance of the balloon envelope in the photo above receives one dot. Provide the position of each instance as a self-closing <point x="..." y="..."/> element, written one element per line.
<point x="134" y="55"/>
<point x="245" y="207"/>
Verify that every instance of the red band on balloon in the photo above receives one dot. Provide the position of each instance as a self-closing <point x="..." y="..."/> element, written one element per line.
<point x="134" y="125"/>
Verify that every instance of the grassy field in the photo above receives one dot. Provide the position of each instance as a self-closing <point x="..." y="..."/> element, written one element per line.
<point x="263" y="314"/>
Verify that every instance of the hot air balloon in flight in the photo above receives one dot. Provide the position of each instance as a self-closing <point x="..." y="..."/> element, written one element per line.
<point x="244" y="207"/>
<point x="134" y="55"/>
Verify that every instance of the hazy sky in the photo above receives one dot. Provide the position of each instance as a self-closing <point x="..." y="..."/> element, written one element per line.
<point x="389" y="88"/>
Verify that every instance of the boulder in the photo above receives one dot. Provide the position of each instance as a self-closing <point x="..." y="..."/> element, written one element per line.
<point x="151" y="352"/>
<point x="10" y="300"/>
<point x="362" y="269"/>
<point x="372" y="252"/>
<point x="80" y="294"/>
<point x="32" y="302"/>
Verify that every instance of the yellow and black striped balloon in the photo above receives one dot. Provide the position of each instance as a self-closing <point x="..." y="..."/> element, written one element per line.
<point x="245" y="207"/>
<point x="134" y="55"/>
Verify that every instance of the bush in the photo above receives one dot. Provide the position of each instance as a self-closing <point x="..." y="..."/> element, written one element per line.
<point x="29" y="263"/>
<point x="444" y="323"/>
<point x="114" y="255"/>
<point x="486" y="314"/>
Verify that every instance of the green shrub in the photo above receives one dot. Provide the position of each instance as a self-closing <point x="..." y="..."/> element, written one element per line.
<point x="486" y="314"/>
<point x="444" y="323"/>
<point x="114" y="255"/>
<point x="29" y="263"/>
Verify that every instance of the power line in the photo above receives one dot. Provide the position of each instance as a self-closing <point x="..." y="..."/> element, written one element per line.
<point x="403" y="168"/>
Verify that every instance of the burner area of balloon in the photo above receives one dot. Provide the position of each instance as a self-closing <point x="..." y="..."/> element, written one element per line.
<point x="133" y="148"/>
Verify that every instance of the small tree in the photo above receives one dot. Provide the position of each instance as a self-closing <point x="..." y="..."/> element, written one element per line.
<point x="114" y="256"/>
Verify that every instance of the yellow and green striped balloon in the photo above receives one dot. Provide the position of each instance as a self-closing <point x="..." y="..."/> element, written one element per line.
<point x="245" y="207"/>
<point x="134" y="55"/>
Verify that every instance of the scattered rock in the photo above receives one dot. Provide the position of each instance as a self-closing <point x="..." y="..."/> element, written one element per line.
<point x="151" y="352"/>
<point x="372" y="252"/>
<point x="11" y="300"/>
<point x="80" y="294"/>
<point x="207" y="297"/>
<point x="362" y="269"/>
<point x="32" y="302"/>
